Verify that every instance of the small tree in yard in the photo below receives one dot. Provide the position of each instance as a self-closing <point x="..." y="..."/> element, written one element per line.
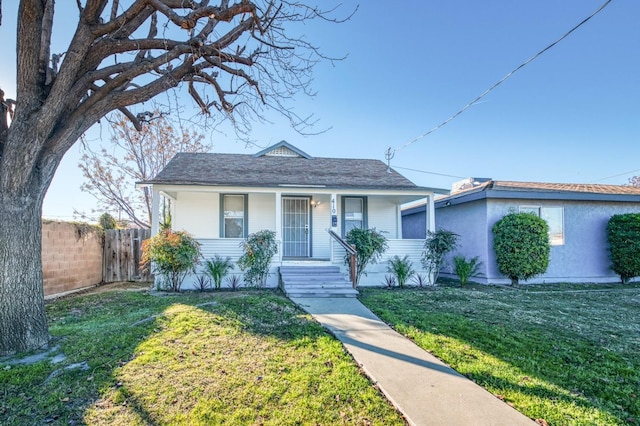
<point x="171" y="255"/>
<point x="259" y="249"/>
<point x="521" y="244"/>
<point x="623" y="235"/>
<point x="436" y="247"/>
<point x="369" y="245"/>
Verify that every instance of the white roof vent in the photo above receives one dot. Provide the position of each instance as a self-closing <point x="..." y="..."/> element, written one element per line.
<point x="468" y="183"/>
<point x="282" y="151"/>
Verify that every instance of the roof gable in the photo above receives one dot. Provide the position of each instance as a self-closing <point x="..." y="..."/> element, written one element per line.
<point x="282" y="149"/>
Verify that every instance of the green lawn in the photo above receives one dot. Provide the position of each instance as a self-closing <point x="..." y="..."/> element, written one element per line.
<point x="570" y="357"/>
<point x="215" y="358"/>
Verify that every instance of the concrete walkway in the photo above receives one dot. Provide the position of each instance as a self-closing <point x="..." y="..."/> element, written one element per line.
<point x="422" y="387"/>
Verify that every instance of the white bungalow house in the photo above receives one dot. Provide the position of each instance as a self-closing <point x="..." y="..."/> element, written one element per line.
<point x="222" y="198"/>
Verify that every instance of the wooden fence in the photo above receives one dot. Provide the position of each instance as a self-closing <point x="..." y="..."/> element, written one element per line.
<point x="121" y="255"/>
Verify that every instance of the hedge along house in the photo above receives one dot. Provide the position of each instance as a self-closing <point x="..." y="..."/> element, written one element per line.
<point x="222" y="198"/>
<point x="577" y="215"/>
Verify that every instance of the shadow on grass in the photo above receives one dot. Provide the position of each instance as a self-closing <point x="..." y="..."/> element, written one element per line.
<point x="149" y="360"/>
<point x="107" y="331"/>
<point x="579" y="373"/>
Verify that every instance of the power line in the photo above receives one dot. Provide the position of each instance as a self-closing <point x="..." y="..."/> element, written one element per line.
<point x="429" y="173"/>
<point x="390" y="151"/>
<point x="615" y="176"/>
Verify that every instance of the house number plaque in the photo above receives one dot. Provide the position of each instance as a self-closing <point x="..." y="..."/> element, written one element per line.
<point x="334" y="216"/>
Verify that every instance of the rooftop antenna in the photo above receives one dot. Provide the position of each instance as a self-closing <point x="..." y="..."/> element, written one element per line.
<point x="389" y="155"/>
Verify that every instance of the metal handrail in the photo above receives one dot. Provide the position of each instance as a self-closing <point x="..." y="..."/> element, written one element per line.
<point x="351" y="251"/>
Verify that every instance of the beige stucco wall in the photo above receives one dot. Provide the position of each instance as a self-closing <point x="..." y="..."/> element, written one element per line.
<point x="70" y="259"/>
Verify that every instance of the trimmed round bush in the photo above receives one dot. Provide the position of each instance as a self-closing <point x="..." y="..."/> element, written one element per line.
<point x="521" y="244"/>
<point x="623" y="236"/>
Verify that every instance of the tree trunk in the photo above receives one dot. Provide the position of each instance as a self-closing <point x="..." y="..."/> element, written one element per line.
<point x="23" y="322"/>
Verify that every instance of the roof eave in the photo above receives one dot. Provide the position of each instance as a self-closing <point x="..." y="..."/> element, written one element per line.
<point x="534" y="195"/>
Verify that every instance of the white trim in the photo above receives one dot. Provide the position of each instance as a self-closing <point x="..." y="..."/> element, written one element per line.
<point x="155" y="211"/>
<point x="409" y="194"/>
<point x="278" y="257"/>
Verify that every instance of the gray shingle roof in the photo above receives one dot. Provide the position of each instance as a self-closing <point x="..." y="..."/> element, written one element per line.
<point x="272" y="171"/>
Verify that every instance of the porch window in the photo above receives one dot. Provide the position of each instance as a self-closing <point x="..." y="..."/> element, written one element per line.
<point x="233" y="220"/>
<point x="354" y="213"/>
<point x="554" y="216"/>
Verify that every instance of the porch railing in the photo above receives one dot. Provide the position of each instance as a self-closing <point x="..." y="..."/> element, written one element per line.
<point x="351" y="251"/>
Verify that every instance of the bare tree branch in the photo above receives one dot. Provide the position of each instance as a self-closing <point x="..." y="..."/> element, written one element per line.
<point x="238" y="59"/>
<point x="133" y="118"/>
<point x="135" y="155"/>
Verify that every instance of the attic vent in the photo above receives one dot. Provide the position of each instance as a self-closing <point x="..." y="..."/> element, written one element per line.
<point x="282" y="151"/>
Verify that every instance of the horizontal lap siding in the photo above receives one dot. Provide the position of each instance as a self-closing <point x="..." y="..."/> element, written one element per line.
<point x="413" y="248"/>
<point x="223" y="247"/>
<point x="231" y="247"/>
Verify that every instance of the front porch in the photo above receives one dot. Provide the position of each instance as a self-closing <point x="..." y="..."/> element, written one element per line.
<point x="375" y="273"/>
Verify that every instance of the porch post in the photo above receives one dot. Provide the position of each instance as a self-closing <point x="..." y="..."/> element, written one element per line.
<point x="430" y="214"/>
<point x="334" y="212"/>
<point x="155" y="211"/>
<point x="279" y="225"/>
<point x="399" y="221"/>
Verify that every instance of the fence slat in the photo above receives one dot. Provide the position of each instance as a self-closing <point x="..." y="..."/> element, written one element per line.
<point x="122" y="253"/>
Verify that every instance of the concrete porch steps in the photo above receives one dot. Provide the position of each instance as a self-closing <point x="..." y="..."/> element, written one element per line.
<point x="315" y="281"/>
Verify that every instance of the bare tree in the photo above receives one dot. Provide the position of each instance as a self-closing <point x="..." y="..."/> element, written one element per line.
<point x="234" y="59"/>
<point x="635" y="181"/>
<point x="133" y="156"/>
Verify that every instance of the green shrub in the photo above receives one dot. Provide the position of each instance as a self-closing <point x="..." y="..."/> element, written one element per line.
<point x="623" y="236"/>
<point x="369" y="244"/>
<point x="107" y="221"/>
<point x="465" y="269"/>
<point x="259" y="249"/>
<point x="217" y="268"/>
<point x="521" y="244"/>
<point x="436" y="247"/>
<point x="171" y="255"/>
<point x="401" y="268"/>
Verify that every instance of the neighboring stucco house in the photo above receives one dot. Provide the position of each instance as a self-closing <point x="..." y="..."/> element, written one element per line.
<point x="221" y="198"/>
<point x="577" y="215"/>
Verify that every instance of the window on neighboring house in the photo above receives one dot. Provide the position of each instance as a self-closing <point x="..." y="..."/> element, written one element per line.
<point x="354" y="213"/>
<point x="554" y="216"/>
<point x="233" y="222"/>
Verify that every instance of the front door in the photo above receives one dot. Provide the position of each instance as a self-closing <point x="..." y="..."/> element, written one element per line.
<point x="295" y="227"/>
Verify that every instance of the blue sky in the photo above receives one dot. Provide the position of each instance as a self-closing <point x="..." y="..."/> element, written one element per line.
<point x="572" y="115"/>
